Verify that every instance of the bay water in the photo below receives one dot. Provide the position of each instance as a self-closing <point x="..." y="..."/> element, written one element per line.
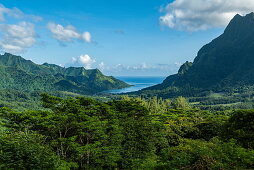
<point x="137" y="83"/>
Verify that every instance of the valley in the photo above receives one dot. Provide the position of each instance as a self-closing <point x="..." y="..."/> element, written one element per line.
<point x="76" y="116"/>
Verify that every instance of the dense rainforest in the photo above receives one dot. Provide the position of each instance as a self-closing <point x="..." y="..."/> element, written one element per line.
<point x="129" y="133"/>
<point x="150" y="129"/>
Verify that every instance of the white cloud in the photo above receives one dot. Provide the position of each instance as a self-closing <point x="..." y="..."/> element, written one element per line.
<point x="17" y="37"/>
<point x="68" y="33"/>
<point x="84" y="60"/>
<point x="139" y="69"/>
<point x="15" y="13"/>
<point x="194" y="15"/>
<point x="87" y="37"/>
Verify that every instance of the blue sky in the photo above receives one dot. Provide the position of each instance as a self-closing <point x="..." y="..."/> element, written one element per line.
<point x="120" y="37"/>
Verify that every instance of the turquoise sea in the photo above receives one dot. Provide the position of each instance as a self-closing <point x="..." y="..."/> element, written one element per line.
<point x="137" y="83"/>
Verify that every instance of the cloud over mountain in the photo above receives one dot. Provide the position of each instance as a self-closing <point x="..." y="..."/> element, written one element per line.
<point x="68" y="33"/>
<point x="194" y="15"/>
<point x="83" y="61"/>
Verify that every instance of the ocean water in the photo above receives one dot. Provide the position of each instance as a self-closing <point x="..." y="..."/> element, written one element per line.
<point x="137" y="83"/>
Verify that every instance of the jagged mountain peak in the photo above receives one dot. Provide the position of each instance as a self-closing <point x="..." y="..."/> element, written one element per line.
<point x="226" y="62"/>
<point x="12" y="59"/>
<point x="240" y="25"/>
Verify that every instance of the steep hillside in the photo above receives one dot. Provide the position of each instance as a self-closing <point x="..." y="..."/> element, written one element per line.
<point x="224" y="64"/>
<point x="24" y="75"/>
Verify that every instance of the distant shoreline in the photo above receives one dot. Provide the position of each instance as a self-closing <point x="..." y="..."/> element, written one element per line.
<point x="137" y="82"/>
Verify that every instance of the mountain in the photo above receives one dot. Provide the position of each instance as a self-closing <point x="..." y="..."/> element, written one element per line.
<point x="24" y="75"/>
<point x="224" y="64"/>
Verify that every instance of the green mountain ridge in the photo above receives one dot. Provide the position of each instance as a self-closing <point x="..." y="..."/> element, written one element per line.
<point x="24" y="75"/>
<point x="225" y="63"/>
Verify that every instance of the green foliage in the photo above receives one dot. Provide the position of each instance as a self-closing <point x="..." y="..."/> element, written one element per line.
<point x="22" y="150"/>
<point x="180" y="103"/>
<point x="138" y="133"/>
<point x="72" y="132"/>
<point x="240" y="126"/>
<point x="131" y="133"/>
<point x="196" y="154"/>
<point x="226" y="64"/>
<point x="185" y="67"/>
<point x="26" y="76"/>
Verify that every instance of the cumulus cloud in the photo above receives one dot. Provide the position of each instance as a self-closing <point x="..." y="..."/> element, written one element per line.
<point x="15" y="13"/>
<point x="68" y="33"/>
<point x="83" y="61"/>
<point x="194" y="15"/>
<point x="17" y="37"/>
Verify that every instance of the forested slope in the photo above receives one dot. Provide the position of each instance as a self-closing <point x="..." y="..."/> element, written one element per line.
<point x="82" y="133"/>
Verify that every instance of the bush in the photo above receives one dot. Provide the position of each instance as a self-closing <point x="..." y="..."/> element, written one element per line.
<point x="240" y="126"/>
<point x="26" y="151"/>
<point x="201" y="155"/>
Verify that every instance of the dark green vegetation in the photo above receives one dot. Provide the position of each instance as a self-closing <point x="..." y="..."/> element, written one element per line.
<point x="72" y="132"/>
<point x="22" y="81"/>
<point x="24" y="75"/>
<point x="82" y="133"/>
<point x="225" y="66"/>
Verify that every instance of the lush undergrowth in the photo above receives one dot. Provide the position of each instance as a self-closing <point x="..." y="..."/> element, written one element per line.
<point x="83" y="133"/>
<point x="22" y="100"/>
<point x="217" y="99"/>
